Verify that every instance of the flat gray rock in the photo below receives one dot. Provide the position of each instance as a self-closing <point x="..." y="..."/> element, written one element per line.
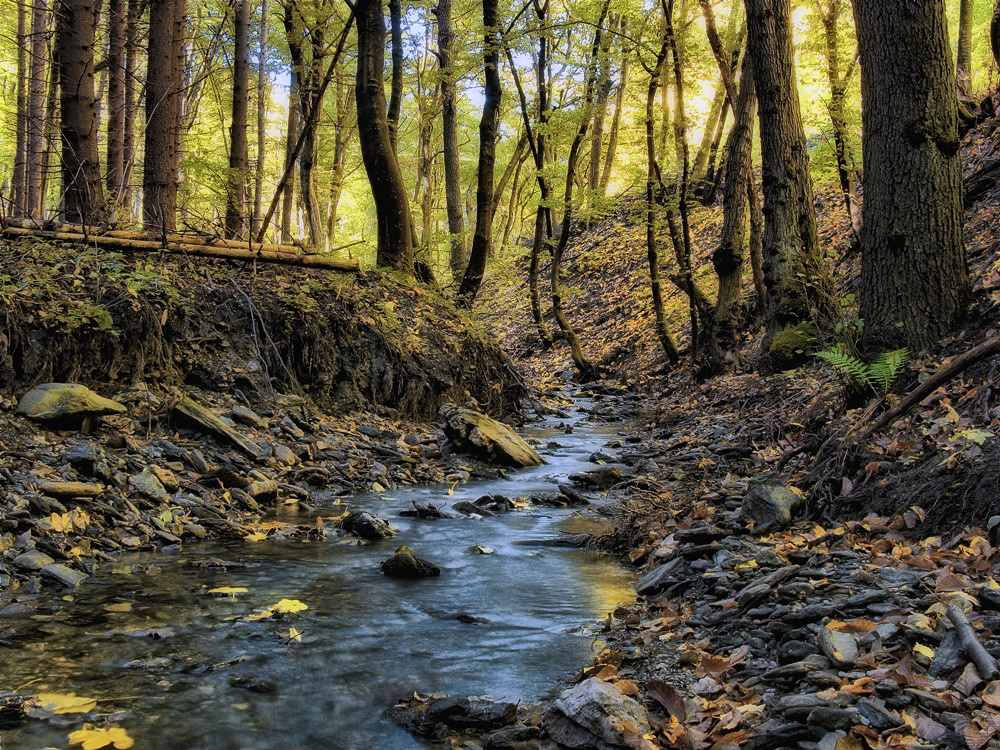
<point x="595" y="715"/>
<point x="33" y="560"/>
<point x="52" y="401"/>
<point x="64" y="575"/>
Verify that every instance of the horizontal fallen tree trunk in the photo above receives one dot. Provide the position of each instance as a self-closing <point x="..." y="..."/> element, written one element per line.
<point x="126" y="245"/>
<point x="128" y="234"/>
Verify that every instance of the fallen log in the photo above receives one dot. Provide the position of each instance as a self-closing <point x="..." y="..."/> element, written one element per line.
<point x="129" y="234"/>
<point x="126" y="245"/>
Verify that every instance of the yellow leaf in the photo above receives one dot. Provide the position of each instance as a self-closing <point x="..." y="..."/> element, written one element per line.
<point x="924" y="650"/>
<point x="93" y="738"/>
<point x="229" y="590"/>
<point x="61" y="522"/>
<point x="256" y="536"/>
<point x="748" y="565"/>
<point x="287" y="606"/>
<point x="64" y="703"/>
<point x="294" y="635"/>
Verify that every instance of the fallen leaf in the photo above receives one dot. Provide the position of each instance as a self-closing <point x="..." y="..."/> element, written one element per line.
<point x="61" y="703"/>
<point x="93" y="738"/>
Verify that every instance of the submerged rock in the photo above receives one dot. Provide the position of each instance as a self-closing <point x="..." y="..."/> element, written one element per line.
<point x="55" y="401"/>
<point x="404" y="564"/>
<point x="367" y="526"/>
<point x="486" y="438"/>
<point x="595" y="715"/>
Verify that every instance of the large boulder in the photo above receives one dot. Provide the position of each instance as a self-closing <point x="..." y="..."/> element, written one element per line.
<point x="65" y="401"/>
<point x="595" y="715"/>
<point x="486" y="438"/>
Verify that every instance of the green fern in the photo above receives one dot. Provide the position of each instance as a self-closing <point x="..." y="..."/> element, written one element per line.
<point x="877" y="376"/>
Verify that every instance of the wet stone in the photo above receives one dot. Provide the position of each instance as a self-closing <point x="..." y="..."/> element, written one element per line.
<point x="367" y="526"/>
<point x="793" y="651"/>
<point x="63" y="574"/>
<point x="866" y="598"/>
<point x="595" y="715"/>
<point x="840" y="648"/>
<point x="148" y="484"/>
<point x="246" y="416"/>
<point x="831" y="717"/>
<point x="33" y="560"/>
<point x="404" y="564"/>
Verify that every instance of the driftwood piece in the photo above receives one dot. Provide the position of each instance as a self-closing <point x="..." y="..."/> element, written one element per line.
<point x="986" y="665"/>
<point x="201" y="417"/>
<point x="126" y="245"/>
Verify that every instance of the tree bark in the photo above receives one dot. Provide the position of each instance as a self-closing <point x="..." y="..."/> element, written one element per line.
<point x="654" y="191"/>
<point x="392" y="208"/>
<point x="291" y="137"/>
<point x="829" y="11"/>
<point x="914" y="283"/>
<point x="449" y="118"/>
<point x="19" y="192"/>
<point x="995" y="32"/>
<point x="728" y="258"/>
<point x="37" y="115"/>
<point x="132" y="13"/>
<point x="798" y="284"/>
<point x="964" y="57"/>
<point x="81" y="169"/>
<point x="117" y="30"/>
<point x="262" y="88"/>
<point x="164" y="81"/>
<point x="616" y="120"/>
<point x="236" y="181"/>
<point x="396" y="89"/>
<point x="488" y="125"/>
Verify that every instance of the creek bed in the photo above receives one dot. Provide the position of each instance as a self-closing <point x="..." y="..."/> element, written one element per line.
<point x="185" y="669"/>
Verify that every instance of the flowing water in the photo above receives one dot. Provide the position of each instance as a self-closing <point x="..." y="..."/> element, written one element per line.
<point x="143" y="636"/>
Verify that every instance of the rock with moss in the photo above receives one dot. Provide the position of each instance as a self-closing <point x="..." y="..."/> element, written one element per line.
<point x="51" y="402"/>
<point x="788" y="347"/>
<point x="405" y="564"/>
<point x="487" y="439"/>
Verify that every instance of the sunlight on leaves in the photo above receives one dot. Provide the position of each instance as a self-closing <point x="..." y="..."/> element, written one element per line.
<point x="47" y="704"/>
<point x="93" y="738"/>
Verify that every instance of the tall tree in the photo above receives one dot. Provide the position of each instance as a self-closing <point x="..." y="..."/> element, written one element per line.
<point x="964" y="57"/>
<point x="995" y="32"/>
<point x="829" y="15"/>
<point x="396" y="87"/>
<point x="797" y="281"/>
<point x="117" y="31"/>
<point x="291" y="137"/>
<point x="164" y="91"/>
<point x="262" y="89"/>
<point x="18" y="188"/>
<point x="392" y="208"/>
<point x="488" y="125"/>
<point x="449" y="121"/>
<point x="82" y="187"/>
<point x="655" y="194"/>
<point x="133" y="12"/>
<point x="914" y="283"/>
<point x="236" y="182"/>
<point x="37" y="115"/>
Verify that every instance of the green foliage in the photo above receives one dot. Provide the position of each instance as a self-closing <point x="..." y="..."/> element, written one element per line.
<point x="877" y="376"/>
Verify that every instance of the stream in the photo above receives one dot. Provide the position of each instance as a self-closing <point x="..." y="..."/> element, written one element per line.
<point x="173" y="664"/>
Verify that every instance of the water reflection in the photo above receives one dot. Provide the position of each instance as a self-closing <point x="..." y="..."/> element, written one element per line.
<point x="186" y="669"/>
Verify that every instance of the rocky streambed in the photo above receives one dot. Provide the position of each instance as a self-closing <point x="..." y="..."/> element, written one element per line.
<point x="289" y="632"/>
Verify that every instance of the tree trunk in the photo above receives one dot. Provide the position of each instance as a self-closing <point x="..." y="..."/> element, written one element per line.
<point x="488" y="125"/>
<point x="291" y="136"/>
<point x="117" y="30"/>
<point x="600" y="112"/>
<point x="51" y="126"/>
<point x="798" y="284"/>
<point x="914" y="282"/>
<point x="728" y="258"/>
<point x="616" y="120"/>
<point x="654" y="191"/>
<point x="82" y="188"/>
<point x="236" y="181"/>
<point x="995" y="32"/>
<point x="449" y="118"/>
<point x="164" y="81"/>
<point x="536" y="301"/>
<point x="19" y="192"/>
<point x="838" y="93"/>
<point x="720" y="101"/>
<point x="586" y="370"/>
<point x="392" y="208"/>
<point x="964" y="65"/>
<point x="37" y="115"/>
<point x="396" y="90"/>
<point x="262" y="88"/>
<point x="128" y="126"/>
